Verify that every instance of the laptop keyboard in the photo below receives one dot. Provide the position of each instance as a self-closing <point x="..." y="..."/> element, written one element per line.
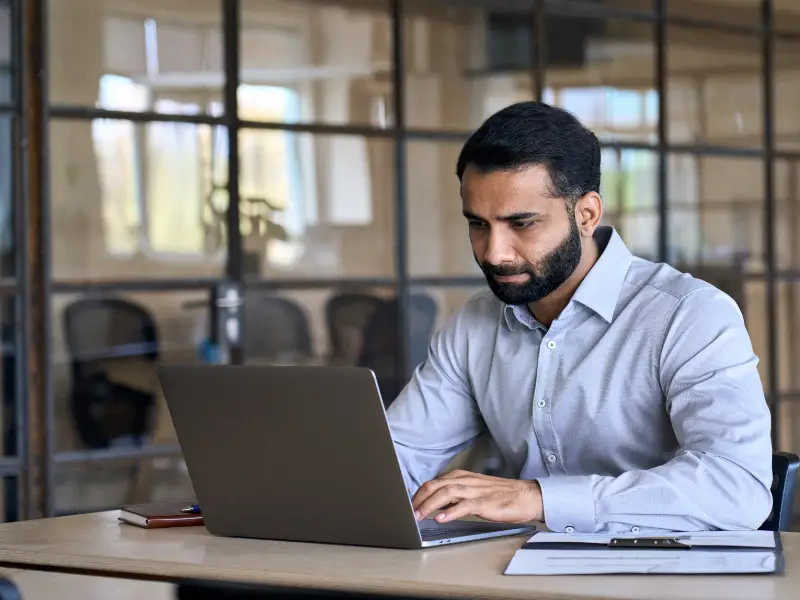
<point x="456" y="529"/>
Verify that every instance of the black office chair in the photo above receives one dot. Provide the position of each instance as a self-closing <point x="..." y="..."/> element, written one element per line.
<point x="276" y="329"/>
<point x="784" y="482"/>
<point x="99" y="330"/>
<point x="379" y="351"/>
<point x="347" y="316"/>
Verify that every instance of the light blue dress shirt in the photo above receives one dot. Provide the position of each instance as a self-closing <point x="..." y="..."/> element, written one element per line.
<point x="639" y="409"/>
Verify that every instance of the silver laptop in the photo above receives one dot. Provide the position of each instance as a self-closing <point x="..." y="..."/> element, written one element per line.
<point x="299" y="453"/>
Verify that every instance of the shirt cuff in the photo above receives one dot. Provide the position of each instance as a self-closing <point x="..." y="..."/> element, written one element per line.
<point x="568" y="503"/>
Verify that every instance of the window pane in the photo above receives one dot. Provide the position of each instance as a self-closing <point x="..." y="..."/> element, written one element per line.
<point x="352" y="326"/>
<point x="714" y="81"/>
<point x="8" y="376"/>
<point x="105" y="352"/>
<point x="137" y="200"/>
<point x="716" y="207"/>
<point x="786" y="224"/>
<point x="437" y="229"/>
<point x="463" y="63"/>
<point x="788" y="318"/>
<point x="603" y="72"/>
<point x="786" y="15"/>
<point x="92" y="487"/>
<point x="317" y="206"/>
<point x="629" y="188"/>
<point x="335" y="59"/>
<point x="787" y="90"/>
<point x="8" y="165"/>
<point x="739" y="12"/>
<point x="752" y="301"/>
<point x="165" y="57"/>
<point x="6" y="58"/>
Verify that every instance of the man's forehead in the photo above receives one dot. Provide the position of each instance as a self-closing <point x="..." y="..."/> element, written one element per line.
<point x="528" y="182"/>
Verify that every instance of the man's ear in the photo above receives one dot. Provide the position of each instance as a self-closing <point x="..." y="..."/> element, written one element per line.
<point x="588" y="213"/>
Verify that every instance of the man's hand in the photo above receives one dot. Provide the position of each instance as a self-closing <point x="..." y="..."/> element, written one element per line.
<point x="490" y="498"/>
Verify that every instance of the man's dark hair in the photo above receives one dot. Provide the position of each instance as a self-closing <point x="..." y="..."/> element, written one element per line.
<point x="532" y="133"/>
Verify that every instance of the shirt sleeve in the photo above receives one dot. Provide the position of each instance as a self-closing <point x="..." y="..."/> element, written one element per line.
<point x="721" y="474"/>
<point x="435" y="416"/>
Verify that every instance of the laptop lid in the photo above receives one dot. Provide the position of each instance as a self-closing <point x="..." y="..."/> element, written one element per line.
<point x="290" y="453"/>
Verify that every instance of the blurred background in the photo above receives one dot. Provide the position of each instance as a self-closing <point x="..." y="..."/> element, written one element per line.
<point x="272" y="182"/>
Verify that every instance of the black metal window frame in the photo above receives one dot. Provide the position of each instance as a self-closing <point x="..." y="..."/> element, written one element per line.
<point x="13" y="286"/>
<point x="400" y="133"/>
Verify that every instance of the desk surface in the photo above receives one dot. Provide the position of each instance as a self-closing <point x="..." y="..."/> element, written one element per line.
<point x="98" y="544"/>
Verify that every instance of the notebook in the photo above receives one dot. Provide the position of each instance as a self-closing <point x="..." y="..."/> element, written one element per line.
<point x="706" y="552"/>
<point x="154" y="516"/>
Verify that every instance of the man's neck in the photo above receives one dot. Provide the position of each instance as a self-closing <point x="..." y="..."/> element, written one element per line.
<point x="548" y="308"/>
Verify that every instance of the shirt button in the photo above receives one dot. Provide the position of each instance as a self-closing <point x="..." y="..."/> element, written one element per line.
<point x="552" y="458"/>
<point x="541" y="404"/>
<point x="551" y="344"/>
<point x="635" y="529"/>
<point x="569" y="529"/>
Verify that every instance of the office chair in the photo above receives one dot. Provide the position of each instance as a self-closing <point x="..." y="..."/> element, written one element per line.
<point x="99" y="330"/>
<point x="276" y="330"/>
<point x="347" y="316"/>
<point x="381" y="341"/>
<point x="784" y="482"/>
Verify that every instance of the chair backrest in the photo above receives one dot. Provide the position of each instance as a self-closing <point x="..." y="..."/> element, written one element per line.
<point x="784" y="482"/>
<point x="276" y="329"/>
<point x="347" y="316"/>
<point x="98" y="329"/>
<point x="379" y="352"/>
<point x="101" y="331"/>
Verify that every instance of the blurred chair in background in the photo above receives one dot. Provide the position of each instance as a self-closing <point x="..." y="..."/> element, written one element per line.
<point x="276" y="330"/>
<point x="347" y="316"/>
<point x="381" y="341"/>
<point x="111" y="343"/>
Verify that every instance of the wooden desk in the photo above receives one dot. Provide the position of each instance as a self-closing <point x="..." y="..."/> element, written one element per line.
<point x="40" y="585"/>
<point x="97" y="544"/>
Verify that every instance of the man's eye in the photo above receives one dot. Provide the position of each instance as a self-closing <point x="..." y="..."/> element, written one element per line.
<point x="477" y="225"/>
<point x="523" y="224"/>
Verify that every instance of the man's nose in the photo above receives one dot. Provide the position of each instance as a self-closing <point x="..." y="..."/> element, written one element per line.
<point x="499" y="250"/>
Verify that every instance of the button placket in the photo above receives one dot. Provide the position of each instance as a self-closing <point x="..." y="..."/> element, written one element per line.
<point x="542" y="423"/>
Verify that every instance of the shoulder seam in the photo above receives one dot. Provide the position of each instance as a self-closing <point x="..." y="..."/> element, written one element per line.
<point x="703" y="286"/>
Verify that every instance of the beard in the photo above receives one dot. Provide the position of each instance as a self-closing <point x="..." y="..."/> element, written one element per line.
<point x="554" y="269"/>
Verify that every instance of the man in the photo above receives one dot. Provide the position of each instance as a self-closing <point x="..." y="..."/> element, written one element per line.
<point x="623" y="393"/>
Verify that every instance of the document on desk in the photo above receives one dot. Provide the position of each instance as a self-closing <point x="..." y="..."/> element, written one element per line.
<point x="706" y="552"/>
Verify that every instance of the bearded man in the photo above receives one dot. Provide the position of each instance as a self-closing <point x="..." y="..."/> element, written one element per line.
<point x="622" y="394"/>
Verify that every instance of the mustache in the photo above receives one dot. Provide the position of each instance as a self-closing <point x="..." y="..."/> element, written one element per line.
<point x="506" y="270"/>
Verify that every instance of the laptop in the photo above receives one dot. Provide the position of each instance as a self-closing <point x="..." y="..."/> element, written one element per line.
<point x="299" y="453"/>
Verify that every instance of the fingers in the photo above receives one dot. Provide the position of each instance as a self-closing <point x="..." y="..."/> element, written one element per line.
<point x="448" y="492"/>
<point x="429" y="488"/>
<point x="463" y="509"/>
<point x="461" y="474"/>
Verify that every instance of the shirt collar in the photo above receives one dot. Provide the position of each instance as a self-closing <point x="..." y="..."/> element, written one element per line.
<point x="600" y="289"/>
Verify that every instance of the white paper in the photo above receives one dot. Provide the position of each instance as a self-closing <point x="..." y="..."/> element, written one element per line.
<point x="554" y="561"/>
<point x="740" y="539"/>
<point x="606" y="562"/>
